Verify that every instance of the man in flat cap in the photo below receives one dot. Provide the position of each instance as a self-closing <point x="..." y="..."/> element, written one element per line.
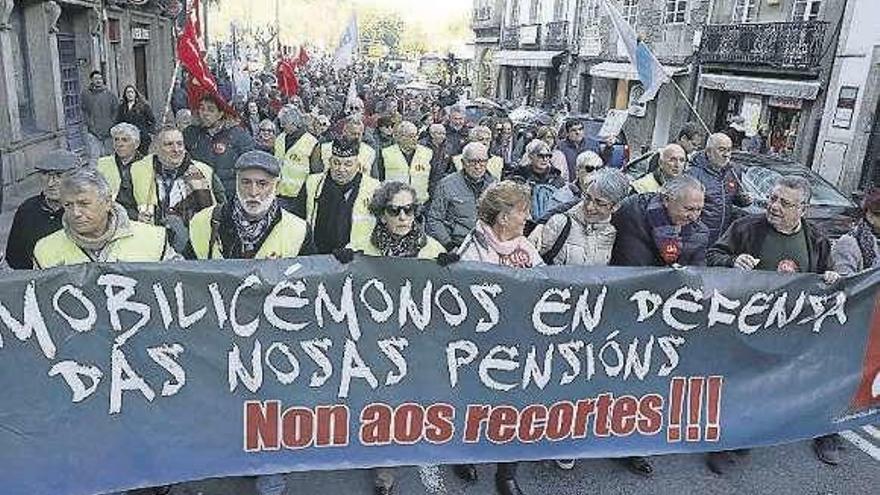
<point x="170" y="187"/>
<point x="335" y="203"/>
<point x="39" y="215"/>
<point x="293" y="148"/>
<point x="252" y="225"/>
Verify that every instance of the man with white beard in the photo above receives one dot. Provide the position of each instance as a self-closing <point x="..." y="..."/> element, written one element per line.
<point x="253" y="225"/>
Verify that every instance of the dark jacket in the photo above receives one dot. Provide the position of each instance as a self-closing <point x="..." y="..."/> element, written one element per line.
<point x="635" y="246"/>
<point x="33" y="220"/>
<point x="140" y="116"/>
<point x="746" y="236"/>
<point x="220" y="151"/>
<point x="456" y="139"/>
<point x="724" y="192"/>
<point x="525" y="174"/>
<point x="441" y="162"/>
<point x="571" y="152"/>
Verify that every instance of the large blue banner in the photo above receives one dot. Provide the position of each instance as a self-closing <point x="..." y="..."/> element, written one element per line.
<point x="123" y="376"/>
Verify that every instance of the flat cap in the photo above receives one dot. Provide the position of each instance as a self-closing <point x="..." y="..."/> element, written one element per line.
<point x="345" y="148"/>
<point x="259" y="160"/>
<point x="58" y="161"/>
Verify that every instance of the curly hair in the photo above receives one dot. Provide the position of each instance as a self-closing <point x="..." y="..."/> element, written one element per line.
<point x="382" y="197"/>
<point x="499" y="198"/>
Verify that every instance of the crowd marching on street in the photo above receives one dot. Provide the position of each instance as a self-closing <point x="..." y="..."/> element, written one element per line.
<point x="351" y="166"/>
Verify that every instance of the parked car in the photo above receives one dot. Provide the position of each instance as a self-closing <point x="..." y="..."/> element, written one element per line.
<point x="617" y="156"/>
<point x="829" y="208"/>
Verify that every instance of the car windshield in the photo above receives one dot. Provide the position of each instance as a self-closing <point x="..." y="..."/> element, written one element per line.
<point x="759" y="180"/>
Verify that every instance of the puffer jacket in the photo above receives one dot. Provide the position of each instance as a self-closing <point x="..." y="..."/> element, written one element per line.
<point x="724" y="192"/>
<point x="587" y="243"/>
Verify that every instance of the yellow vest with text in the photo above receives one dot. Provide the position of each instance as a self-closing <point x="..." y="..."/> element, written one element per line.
<point x="285" y="240"/>
<point x="146" y="244"/>
<point x="646" y="184"/>
<point x="143" y="184"/>
<point x="429" y="252"/>
<point x="362" y="221"/>
<point x="495" y="165"/>
<point x="295" y="166"/>
<point x="106" y="166"/>
<point x="416" y="174"/>
<point x="366" y="156"/>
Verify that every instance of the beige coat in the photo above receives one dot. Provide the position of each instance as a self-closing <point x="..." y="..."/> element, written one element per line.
<point x="587" y="243"/>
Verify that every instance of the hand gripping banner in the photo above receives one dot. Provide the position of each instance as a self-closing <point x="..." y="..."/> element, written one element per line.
<point x="123" y="376"/>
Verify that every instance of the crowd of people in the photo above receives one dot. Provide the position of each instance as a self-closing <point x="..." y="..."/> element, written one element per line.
<point x="386" y="174"/>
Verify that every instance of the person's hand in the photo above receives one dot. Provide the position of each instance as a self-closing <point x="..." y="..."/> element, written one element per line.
<point x="343" y="255"/>
<point x="447" y="258"/>
<point x="831" y="277"/>
<point x="745" y="262"/>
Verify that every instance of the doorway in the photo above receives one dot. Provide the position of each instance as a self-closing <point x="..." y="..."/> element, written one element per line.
<point x="140" y="69"/>
<point x="70" y="92"/>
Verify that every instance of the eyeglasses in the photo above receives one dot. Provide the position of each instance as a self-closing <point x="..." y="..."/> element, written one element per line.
<point x="783" y="202"/>
<point x="601" y="203"/>
<point x="396" y="210"/>
<point x="544" y="155"/>
<point x="576" y="129"/>
<point x="267" y="130"/>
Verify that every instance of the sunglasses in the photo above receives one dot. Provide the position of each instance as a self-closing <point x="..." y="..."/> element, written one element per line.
<point x="545" y="155"/>
<point x="394" y="211"/>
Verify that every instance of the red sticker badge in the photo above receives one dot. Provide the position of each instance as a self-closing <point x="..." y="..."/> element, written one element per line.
<point x="219" y="148"/>
<point x="787" y="266"/>
<point x="670" y="251"/>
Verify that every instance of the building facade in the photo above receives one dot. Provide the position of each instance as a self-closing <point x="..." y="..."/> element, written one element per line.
<point x="766" y="61"/>
<point x="48" y="49"/>
<point x="848" y="148"/>
<point x="486" y="23"/>
<point x="604" y="78"/>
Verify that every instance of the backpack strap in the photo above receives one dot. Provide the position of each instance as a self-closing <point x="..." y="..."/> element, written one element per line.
<point x="560" y="241"/>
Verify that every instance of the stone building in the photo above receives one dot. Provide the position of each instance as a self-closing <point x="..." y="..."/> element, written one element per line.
<point x="533" y="62"/>
<point x="767" y="61"/>
<point x="848" y="148"/>
<point x="603" y="77"/>
<point x="486" y="24"/>
<point x="48" y="49"/>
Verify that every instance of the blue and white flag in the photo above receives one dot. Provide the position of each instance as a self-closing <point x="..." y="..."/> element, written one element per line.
<point x="651" y="73"/>
<point x="347" y="51"/>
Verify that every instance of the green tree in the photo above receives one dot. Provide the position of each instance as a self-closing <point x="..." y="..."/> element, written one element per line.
<point x="381" y="27"/>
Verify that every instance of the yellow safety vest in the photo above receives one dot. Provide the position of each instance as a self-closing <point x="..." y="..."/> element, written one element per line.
<point x="416" y="175"/>
<point x="646" y="184"/>
<point x="295" y="166"/>
<point x="285" y="240"/>
<point x="494" y="167"/>
<point x="429" y="252"/>
<point x="366" y="155"/>
<point x="143" y="183"/>
<point x="106" y="166"/>
<point x="362" y="221"/>
<point x="145" y="244"/>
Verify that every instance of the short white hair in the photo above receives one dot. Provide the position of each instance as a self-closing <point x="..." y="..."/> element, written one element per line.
<point x="126" y="129"/>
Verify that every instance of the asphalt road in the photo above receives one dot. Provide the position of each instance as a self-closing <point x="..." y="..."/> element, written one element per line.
<point x="782" y="470"/>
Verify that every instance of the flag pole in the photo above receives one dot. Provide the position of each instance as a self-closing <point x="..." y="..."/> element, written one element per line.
<point x="167" y="110"/>
<point x="690" y="105"/>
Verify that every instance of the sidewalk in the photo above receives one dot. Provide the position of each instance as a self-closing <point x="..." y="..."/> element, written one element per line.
<point x="12" y="197"/>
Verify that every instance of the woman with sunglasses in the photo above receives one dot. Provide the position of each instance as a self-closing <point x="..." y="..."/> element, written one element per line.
<point x="397" y="234"/>
<point x="543" y="179"/>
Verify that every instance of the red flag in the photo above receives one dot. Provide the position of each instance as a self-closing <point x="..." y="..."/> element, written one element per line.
<point x="288" y="83"/>
<point x="199" y="81"/>
<point x="303" y="58"/>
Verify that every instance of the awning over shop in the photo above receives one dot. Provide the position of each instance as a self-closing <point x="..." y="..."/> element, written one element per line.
<point x="619" y="70"/>
<point x="784" y="88"/>
<point x="525" y="58"/>
<point x="486" y="40"/>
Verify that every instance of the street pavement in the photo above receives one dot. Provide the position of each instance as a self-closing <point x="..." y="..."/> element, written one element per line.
<point x="781" y="470"/>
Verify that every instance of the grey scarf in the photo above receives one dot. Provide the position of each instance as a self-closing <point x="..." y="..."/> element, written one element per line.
<point x="117" y="224"/>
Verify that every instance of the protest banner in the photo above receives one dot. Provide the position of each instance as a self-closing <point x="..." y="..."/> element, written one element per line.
<point x="130" y="375"/>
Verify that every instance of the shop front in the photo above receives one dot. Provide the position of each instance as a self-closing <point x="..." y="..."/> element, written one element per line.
<point x="528" y="77"/>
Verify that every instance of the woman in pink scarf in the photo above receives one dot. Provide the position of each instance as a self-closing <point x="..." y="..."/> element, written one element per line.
<point x="498" y="238"/>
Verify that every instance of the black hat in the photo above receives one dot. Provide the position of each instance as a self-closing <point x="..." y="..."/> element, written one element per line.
<point x="58" y="161"/>
<point x="259" y="160"/>
<point x="345" y="148"/>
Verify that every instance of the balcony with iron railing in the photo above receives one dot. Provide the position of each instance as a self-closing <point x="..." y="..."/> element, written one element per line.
<point x="555" y="35"/>
<point x="510" y="38"/>
<point x="792" y="46"/>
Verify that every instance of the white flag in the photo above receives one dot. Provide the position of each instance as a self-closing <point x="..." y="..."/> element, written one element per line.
<point x="651" y="73"/>
<point x="347" y="51"/>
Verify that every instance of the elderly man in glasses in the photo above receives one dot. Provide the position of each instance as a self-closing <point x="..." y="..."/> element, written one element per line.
<point x="780" y="240"/>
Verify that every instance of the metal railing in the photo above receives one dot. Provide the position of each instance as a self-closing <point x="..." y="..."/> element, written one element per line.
<point x="780" y="45"/>
<point x="556" y="35"/>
